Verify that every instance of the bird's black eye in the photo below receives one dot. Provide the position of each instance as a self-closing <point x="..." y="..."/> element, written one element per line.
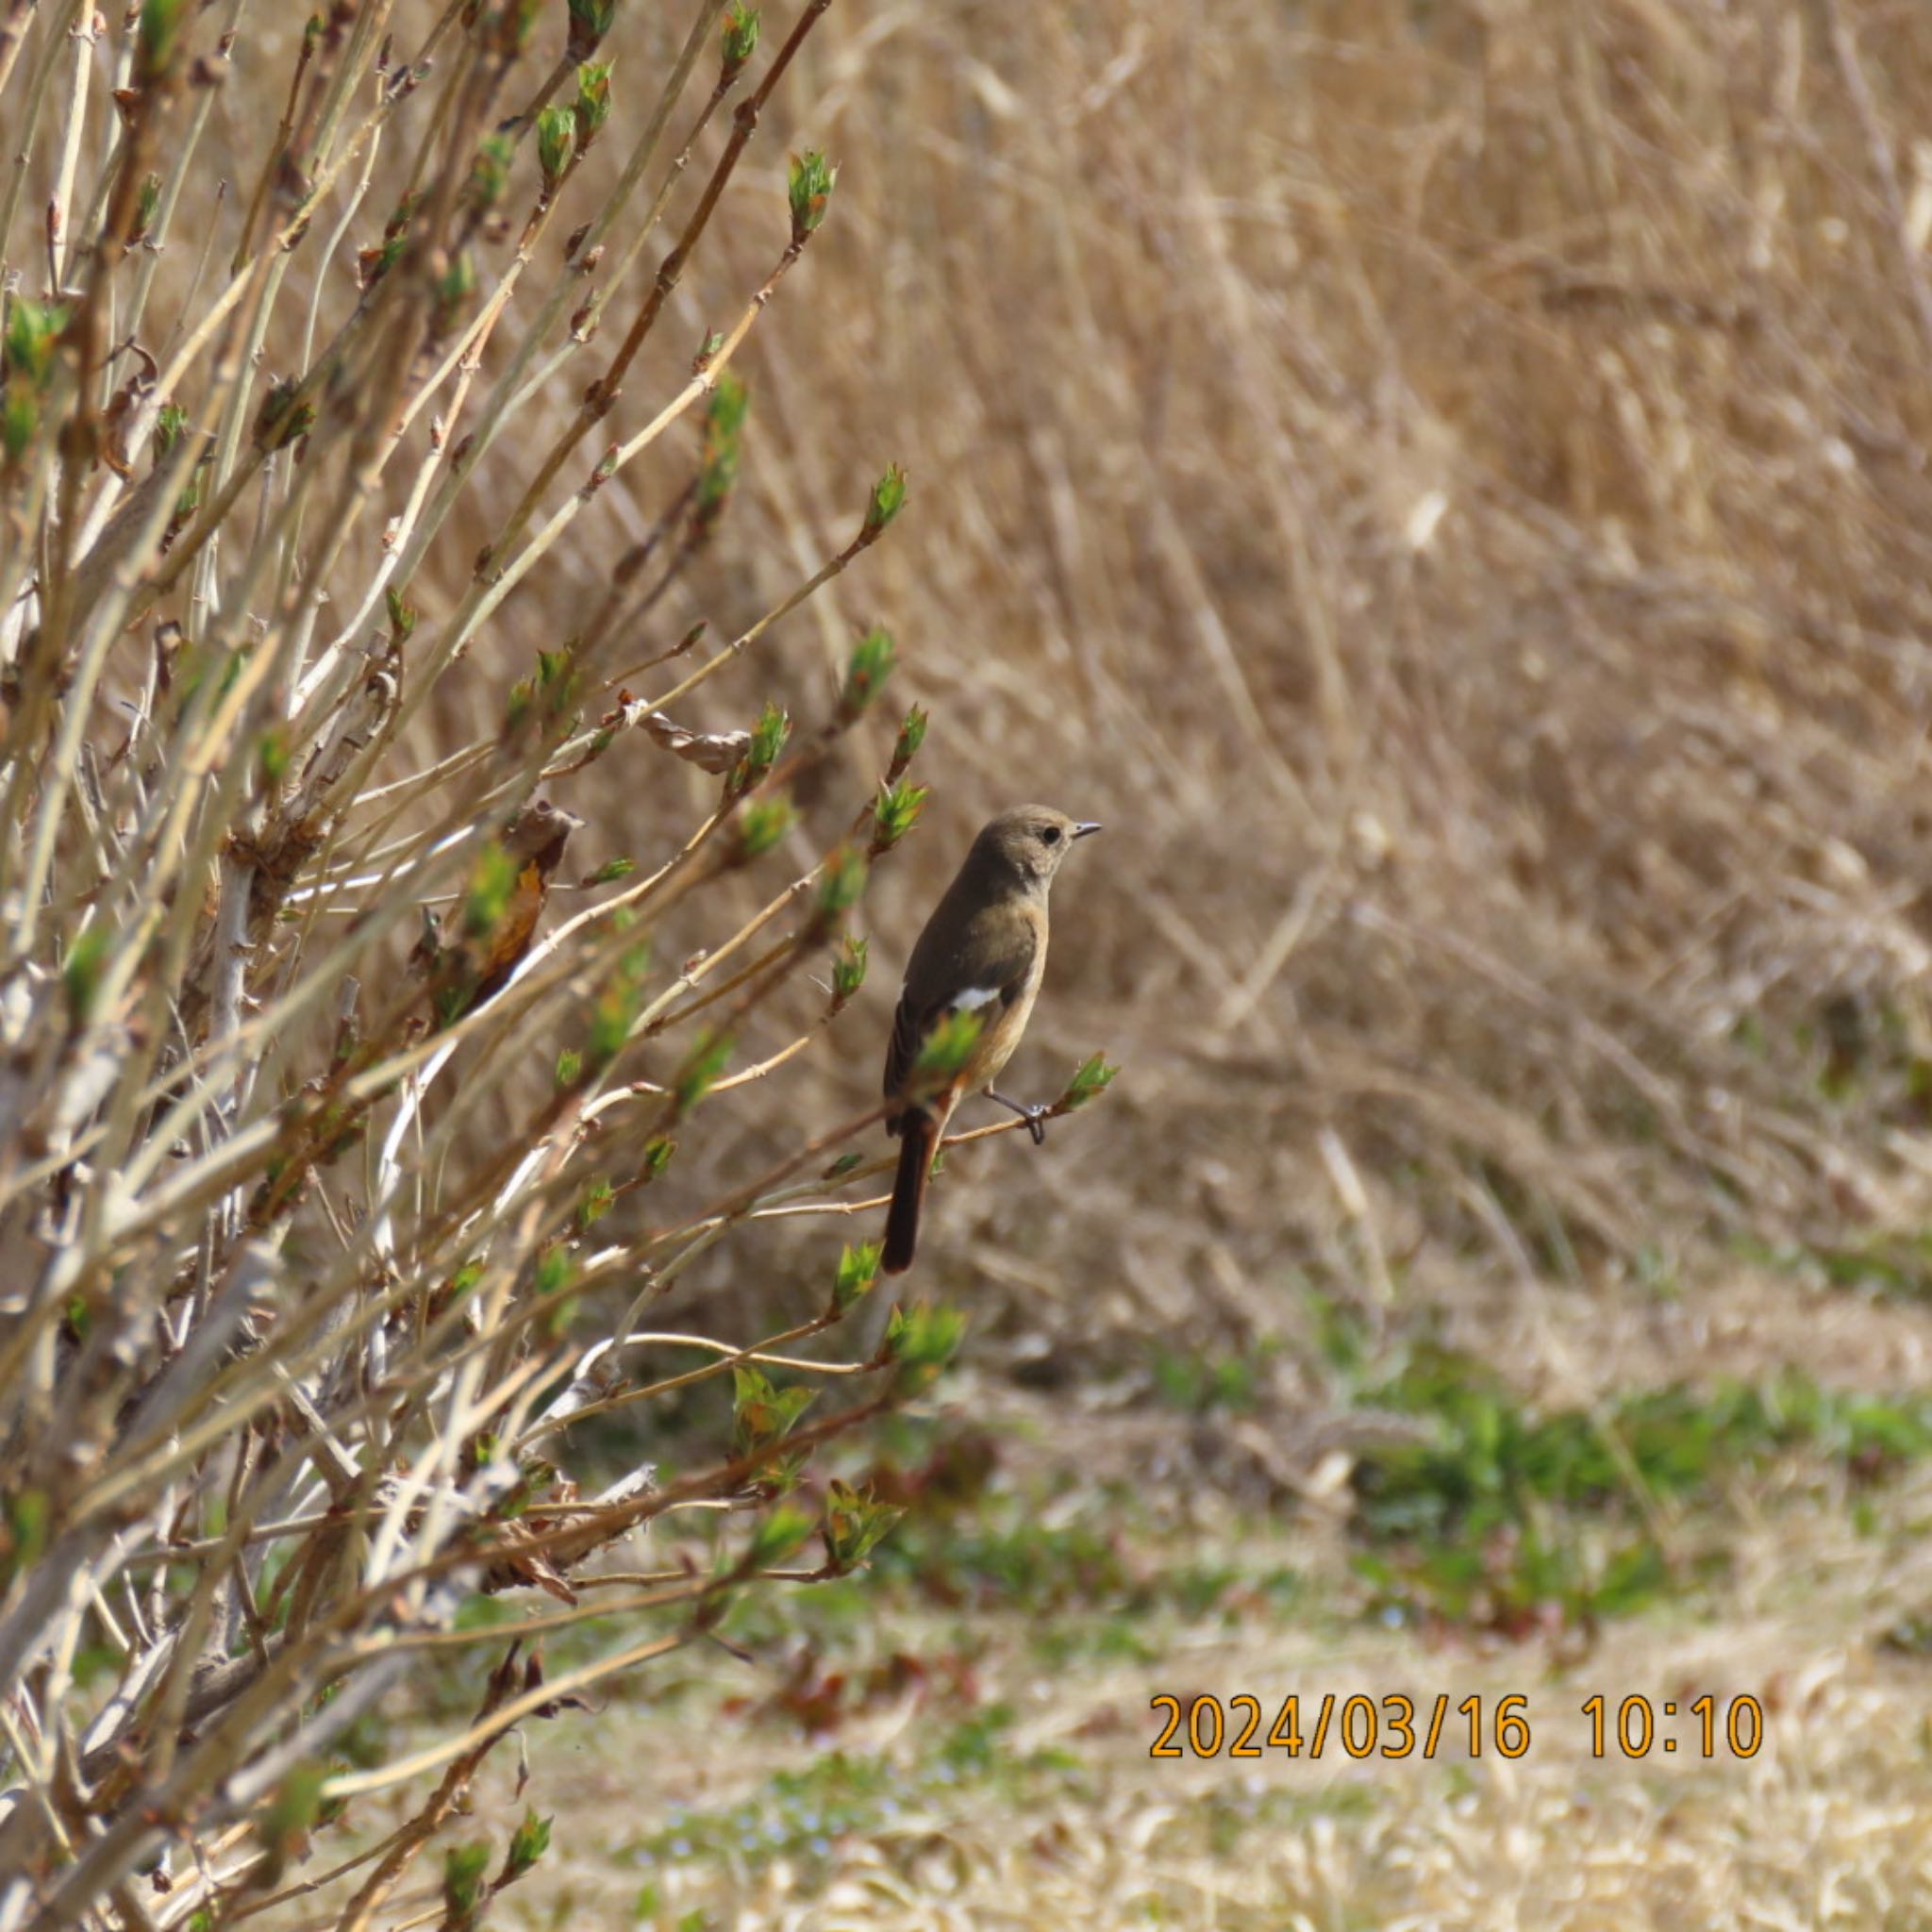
<point x="1051" y="834"/>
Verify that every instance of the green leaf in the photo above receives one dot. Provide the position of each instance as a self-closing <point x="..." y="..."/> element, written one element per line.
<point x="859" y="1269"/>
<point x="921" y="1340"/>
<point x="569" y="1067"/>
<point x="855" y="1523"/>
<point x="656" y="1157"/>
<point x="809" y="183"/>
<point x="612" y="870"/>
<point x="762" y="1415"/>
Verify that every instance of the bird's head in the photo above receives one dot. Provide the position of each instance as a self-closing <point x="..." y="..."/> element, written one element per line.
<point x="1031" y="841"/>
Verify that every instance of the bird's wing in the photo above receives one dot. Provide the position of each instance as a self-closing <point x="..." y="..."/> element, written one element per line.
<point x="978" y="978"/>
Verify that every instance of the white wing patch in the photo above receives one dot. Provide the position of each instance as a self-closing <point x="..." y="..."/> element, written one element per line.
<point x="974" y="998"/>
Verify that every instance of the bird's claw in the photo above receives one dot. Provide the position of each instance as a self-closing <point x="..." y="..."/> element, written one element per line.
<point x="1035" y="1114"/>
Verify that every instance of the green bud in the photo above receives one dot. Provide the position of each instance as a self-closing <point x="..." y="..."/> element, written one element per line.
<point x="911" y="736"/>
<point x="146" y="203"/>
<point x="846" y="1164"/>
<point x="768" y="738"/>
<point x="762" y="825"/>
<point x="527" y="1844"/>
<point x="589" y="21"/>
<point x="740" y="38"/>
<point x="808" y="183"/>
<point x="570" y="1066"/>
<point x="80" y="976"/>
<point x="866" y="672"/>
<point x="887" y="498"/>
<point x="612" y="870"/>
<point x="597" y="1202"/>
<point x="292" y="1810"/>
<point x="33" y="333"/>
<point x="848" y="970"/>
<point x="454" y="290"/>
<point x="463" y="1867"/>
<point x="402" y="615"/>
<point x="169" y="420"/>
<point x="556" y="1270"/>
<point x="859" y="1269"/>
<point x="612" y="1019"/>
<point x="272" y="755"/>
<point x="490" y="171"/>
<point x="592" y="105"/>
<point x="557" y="145"/>
<point x="762" y="1415"/>
<point x="1093" y="1076"/>
<point x="854" y="1523"/>
<point x="841" y="882"/>
<point x="921" y="1340"/>
<point x="894" y="812"/>
<point x="718" y="472"/>
<point x="656" y="1157"/>
<point x="160" y="38"/>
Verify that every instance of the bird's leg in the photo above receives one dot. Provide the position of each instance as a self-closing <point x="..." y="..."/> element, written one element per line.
<point x="1035" y="1116"/>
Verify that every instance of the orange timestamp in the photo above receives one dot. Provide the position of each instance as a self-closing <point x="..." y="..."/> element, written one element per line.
<point x="1397" y="1726"/>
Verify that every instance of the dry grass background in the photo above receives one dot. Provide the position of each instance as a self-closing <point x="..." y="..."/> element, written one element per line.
<point x="1446" y="484"/>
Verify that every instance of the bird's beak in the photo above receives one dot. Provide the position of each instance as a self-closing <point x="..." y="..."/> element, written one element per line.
<point x="1086" y="826"/>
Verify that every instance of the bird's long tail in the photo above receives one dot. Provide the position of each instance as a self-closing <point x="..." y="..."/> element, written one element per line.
<point x="919" y="1141"/>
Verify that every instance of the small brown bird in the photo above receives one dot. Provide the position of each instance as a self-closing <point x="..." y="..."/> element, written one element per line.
<point x="983" y="951"/>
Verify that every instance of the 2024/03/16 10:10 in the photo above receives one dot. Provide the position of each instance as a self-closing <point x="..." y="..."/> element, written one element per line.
<point x="1393" y="1727"/>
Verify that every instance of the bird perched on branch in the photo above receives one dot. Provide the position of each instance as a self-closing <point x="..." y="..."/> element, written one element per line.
<point x="982" y="953"/>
